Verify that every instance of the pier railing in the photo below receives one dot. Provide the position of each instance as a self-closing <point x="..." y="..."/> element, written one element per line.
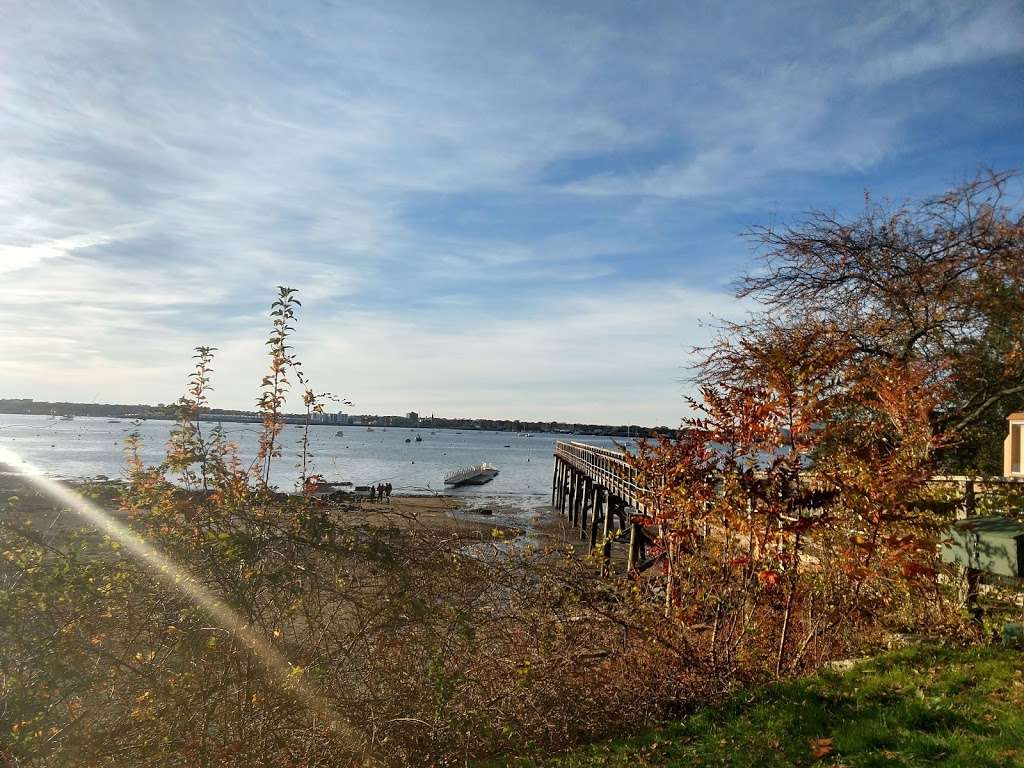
<point x="605" y="466"/>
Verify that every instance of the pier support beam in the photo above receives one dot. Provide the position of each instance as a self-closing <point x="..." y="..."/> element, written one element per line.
<point x="561" y="484"/>
<point x="586" y="505"/>
<point x="611" y="507"/>
<point x="574" y="489"/>
<point x="600" y="513"/>
<point x="562" y="475"/>
<point x="636" y="542"/>
<point x="577" y="501"/>
<point x="554" y="480"/>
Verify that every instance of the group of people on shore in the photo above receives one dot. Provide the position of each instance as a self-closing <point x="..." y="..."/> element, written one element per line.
<point x="380" y="492"/>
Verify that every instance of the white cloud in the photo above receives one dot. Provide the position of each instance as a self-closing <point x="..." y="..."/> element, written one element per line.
<point x="163" y="166"/>
<point x="543" y="358"/>
<point x="15" y="257"/>
<point x="962" y="34"/>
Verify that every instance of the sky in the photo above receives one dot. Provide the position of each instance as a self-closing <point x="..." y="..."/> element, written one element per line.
<point x="490" y="209"/>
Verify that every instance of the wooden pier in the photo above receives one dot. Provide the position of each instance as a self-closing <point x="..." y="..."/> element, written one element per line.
<point x="596" y="488"/>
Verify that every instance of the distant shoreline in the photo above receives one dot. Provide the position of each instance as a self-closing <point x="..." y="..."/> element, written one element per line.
<point x="30" y="407"/>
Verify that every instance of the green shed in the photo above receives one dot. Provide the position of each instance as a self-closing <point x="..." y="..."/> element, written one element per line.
<point x="990" y="544"/>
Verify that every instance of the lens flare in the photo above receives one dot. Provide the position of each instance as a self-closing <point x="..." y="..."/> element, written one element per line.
<point x="287" y="675"/>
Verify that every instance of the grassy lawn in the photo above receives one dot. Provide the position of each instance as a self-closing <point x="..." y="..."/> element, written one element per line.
<point x="916" y="707"/>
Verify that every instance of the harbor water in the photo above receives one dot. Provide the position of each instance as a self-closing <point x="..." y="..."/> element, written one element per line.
<point x="89" y="447"/>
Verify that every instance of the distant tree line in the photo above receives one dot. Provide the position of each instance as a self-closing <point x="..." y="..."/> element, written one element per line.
<point x="28" y="406"/>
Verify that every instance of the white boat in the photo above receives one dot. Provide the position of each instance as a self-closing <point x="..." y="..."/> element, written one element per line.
<point x="339" y="433"/>
<point x="329" y="489"/>
<point x="67" y="417"/>
<point x="478" y="474"/>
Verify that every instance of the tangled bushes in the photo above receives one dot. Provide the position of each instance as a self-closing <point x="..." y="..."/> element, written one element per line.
<point x="274" y="629"/>
<point x="423" y="649"/>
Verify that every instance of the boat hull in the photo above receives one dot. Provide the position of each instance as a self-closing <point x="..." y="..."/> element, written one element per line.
<point x="478" y="479"/>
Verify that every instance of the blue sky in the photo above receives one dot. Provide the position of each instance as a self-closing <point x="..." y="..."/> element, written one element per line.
<point x="490" y="209"/>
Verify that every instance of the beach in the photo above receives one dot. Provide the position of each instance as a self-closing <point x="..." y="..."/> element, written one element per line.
<point x="439" y="513"/>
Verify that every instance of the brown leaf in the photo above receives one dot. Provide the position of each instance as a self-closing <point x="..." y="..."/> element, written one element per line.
<point x="820" y="748"/>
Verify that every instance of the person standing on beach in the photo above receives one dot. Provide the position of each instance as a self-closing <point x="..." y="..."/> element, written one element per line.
<point x="373" y="493"/>
<point x="387" y="492"/>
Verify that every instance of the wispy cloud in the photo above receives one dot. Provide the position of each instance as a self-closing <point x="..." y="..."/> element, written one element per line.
<point x="466" y="194"/>
<point x="945" y="36"/>
<point x="17" y="257"/>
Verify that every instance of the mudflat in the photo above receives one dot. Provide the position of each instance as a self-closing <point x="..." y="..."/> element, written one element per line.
<point x="21" y="501"/>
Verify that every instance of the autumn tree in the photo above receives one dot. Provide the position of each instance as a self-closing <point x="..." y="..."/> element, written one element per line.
<point x="937" y="283"/>
<point x="788" y="516"/>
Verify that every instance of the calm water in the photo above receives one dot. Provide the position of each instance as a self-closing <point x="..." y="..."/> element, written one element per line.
<point x="87" y="447"/>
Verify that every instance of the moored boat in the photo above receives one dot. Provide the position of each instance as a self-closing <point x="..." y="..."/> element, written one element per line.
<point x="478" y="474"/>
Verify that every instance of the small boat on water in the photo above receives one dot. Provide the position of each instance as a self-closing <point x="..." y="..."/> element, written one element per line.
<point x="419" y="439"/>
<point x="369" y="429"/>
<point x="67" y="417"/>
<point x="339" y="433"/>
<point x="478" y="474"/>
<point x="113" y="421"/>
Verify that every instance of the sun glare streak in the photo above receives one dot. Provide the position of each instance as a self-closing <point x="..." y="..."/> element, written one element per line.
<point x="178" y="577"/>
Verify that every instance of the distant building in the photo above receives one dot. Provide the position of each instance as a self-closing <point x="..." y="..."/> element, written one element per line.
<point x="341" y="418"/>
<point x="413" y="417"/>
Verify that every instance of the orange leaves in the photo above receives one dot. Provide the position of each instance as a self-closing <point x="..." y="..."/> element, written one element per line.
<point x="913" y="570"/>
<point x="821" y="748"/>
<point x="769" y="578"/>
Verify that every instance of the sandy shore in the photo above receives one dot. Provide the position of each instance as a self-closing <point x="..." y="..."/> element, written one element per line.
<point x="435" y="512"/>
<point x="21" y="500"/>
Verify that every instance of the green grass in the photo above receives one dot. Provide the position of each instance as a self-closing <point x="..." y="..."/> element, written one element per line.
<point x="916" y="707"/>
